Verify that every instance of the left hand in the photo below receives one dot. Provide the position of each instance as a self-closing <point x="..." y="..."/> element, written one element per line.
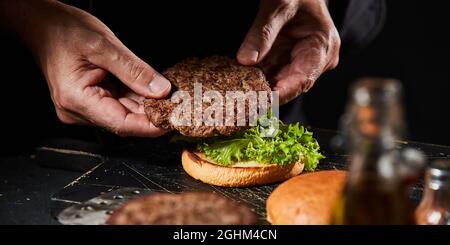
<point x="76" y="51"/>
<point x="295" y="41"/>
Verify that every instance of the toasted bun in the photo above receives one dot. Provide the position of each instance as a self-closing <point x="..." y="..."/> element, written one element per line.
<point x="239" y="175"/>
<point x="307" y="199"/>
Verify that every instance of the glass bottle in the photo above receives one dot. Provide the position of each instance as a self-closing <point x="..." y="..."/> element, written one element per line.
<point x="434" y="209"/>
<point x="374" y="192"/>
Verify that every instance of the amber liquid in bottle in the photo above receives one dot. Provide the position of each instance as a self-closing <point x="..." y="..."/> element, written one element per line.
<point x="367" y="205"/>
<point x="374" y="192"/>
<point x="370" y="199"/>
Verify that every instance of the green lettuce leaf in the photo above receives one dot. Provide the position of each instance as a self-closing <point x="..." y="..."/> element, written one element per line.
<point x="286" y="145"/>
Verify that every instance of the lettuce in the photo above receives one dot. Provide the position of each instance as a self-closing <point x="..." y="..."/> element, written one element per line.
<point x="286" y="145"/>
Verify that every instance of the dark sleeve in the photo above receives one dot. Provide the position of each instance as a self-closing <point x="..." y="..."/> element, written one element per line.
<point x="357" y="21"/>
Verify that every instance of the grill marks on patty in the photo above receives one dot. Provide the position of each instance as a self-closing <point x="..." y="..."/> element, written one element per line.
<point x="215" y="73"/>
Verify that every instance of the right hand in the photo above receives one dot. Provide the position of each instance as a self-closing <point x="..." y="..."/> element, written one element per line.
<point x="76" y="51"/>
<point x="294" y="41"/>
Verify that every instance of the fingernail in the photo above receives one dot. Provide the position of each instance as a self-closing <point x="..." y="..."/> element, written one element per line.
<point x="159" y="84"/>
<point x="250" y="55"/>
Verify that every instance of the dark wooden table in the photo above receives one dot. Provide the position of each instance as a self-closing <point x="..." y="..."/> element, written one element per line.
<point x="155" y="166"/>
<point x="34" y="189"/>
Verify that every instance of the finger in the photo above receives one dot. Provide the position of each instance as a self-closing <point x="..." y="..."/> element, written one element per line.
<point x="67" y="99"/>
<point x="278" y="57"/>
<point x="109" y="113"/>
<point x="133" y="96"/>
<point x="131" y="70"/>
<point x="138" y="125"/>
<point x="333" y="51"/>
<point x="308" y="61"/>
<point x="112" y="115"/>
<point x="271" y="18"/>
<point x="96" y="105"/>
<point x="132" y="105"/>
<point x="290" y="87"/>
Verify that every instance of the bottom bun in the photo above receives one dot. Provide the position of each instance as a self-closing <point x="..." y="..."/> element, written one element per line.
<point x="200" y="168"/>
<point x="308" y="199"/>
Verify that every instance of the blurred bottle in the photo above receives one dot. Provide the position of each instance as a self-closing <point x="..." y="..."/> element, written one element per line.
<point x="434" y="209"/>
<point x="376" y="192"/>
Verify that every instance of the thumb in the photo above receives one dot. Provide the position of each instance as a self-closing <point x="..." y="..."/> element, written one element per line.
<point x="266" y="27"/>
<point x="132" y="71"/>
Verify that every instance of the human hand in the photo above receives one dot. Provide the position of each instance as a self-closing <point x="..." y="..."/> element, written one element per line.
<point x="294" y="41"/>
<point x="76" y="51"/>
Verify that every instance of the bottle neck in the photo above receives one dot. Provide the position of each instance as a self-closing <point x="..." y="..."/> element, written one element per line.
<point x="438" y="191"/>
<point x="372" y="124"/>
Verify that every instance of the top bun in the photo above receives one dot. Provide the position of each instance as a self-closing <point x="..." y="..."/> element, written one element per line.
<point x="307" y="199"/>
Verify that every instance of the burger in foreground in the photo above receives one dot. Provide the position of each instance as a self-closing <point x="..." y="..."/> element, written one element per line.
<point x="190" y="208"/>
<point x="247" y="158"/>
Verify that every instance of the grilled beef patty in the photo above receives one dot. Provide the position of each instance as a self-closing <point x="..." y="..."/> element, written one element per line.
<point x="193" y="208"/>
<point x="216" y="73"/>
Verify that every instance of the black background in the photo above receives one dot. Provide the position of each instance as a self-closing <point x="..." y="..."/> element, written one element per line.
<point x="413" y="47"/>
